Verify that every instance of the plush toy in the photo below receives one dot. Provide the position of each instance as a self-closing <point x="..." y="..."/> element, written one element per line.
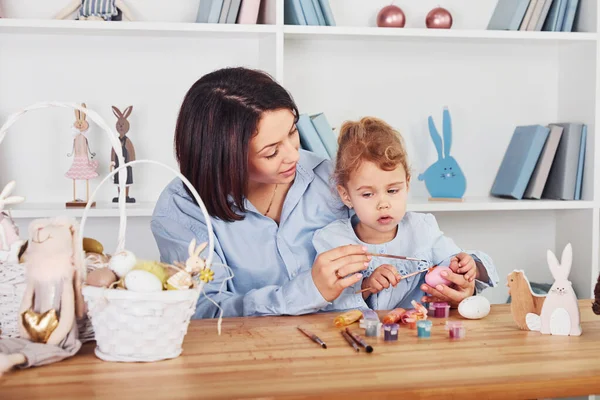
<point x="95" y="10"/>
<point x="560" y="313"/>
<point x="52" y="302"/>
<point x="444" y="179"/>
<point x="10" y="242"/>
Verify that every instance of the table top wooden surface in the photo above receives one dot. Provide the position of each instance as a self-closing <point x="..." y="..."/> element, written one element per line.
<point x="267" y="357"/>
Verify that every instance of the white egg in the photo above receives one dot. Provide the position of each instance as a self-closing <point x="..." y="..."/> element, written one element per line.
<point x="122" y="262"/>
<point x="142" y="281"/>
<point x="474" y="307"/>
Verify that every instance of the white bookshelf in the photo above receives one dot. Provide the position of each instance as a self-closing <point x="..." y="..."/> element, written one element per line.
<point x="490" y="80"/>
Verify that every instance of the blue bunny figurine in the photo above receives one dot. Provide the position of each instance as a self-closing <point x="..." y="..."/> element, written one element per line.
<point x="444" y="178"/>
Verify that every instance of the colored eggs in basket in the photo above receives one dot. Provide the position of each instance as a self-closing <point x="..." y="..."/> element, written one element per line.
<point x="101" y="277"/>
<point x="122" y="262"/>
<point x="474" y="307"/>
<point x="434" y="277"/>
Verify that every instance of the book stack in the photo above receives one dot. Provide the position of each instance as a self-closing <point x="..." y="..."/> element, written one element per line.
<point x="308" y="12"/>
<point x="228" y="11"/>
<point x="316" y="135"/>
<point x="543" y="162"/>
<point x="534" y="15"/>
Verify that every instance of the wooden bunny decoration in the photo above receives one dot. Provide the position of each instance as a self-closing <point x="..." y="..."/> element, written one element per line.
<point x="52" y="301"/>
<point x="523" y="300"/>
<point x="95" y="10"/>
<point x="82" y="167"/>
<point x="10" y="242"/>
<point x="560" y="313"/>
<point x="122" y="126"/>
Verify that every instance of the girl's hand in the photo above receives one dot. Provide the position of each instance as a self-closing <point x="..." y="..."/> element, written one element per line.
<point x="384" y="276"/>
<point x="465" y="265"/>
<point x="337" y="269"/>
<point x="453" y="295"/>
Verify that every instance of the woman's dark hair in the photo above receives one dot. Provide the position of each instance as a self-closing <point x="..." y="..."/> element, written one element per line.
<point x="219" y="115"/>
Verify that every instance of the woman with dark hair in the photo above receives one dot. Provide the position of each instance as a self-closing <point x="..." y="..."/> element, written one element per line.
<point x="236" y="141"/>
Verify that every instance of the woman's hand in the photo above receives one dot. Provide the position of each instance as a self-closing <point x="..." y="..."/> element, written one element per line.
<point x="442" y="293"/>
<point x="337" y="269"/>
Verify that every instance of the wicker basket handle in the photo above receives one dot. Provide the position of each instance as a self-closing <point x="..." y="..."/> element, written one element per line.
<point x="122" y="205"/>
<point x="94" y="116"/>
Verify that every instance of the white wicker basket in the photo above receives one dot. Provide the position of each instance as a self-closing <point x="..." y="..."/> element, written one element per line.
<point x="12" y="275"/>
<point x="142" y="327"/>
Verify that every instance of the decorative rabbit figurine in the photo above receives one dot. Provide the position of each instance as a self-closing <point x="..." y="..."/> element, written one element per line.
<point x="95" y="10"/>
<point x="128" y="150"/>
<point x="194" y="265"/>
<point x="82" y="167"/>
<point x="52" y="302"/>
<point x="560" y="312"/>
<point x="10" y="242"/>
<point x="444" y="179"/>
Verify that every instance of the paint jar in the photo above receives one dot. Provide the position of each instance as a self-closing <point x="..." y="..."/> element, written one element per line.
<point x="455" y="329"/>
<point x="414" y="318"/>
<point x="439" y="310"/>
<point x="424" y="328"/>
<point x="390" y="332"/>
<point x="371" y="327"/>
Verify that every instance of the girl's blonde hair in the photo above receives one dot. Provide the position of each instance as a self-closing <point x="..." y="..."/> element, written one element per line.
<point x="369" y="139"/>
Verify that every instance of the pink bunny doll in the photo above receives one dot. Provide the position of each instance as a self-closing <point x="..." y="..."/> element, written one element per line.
<point x="52" y="300"/>
<point x="560" y="312"/>
<point x="10" y="242"/>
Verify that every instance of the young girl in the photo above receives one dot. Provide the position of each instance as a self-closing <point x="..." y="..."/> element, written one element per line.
<point x="373" y="179"/>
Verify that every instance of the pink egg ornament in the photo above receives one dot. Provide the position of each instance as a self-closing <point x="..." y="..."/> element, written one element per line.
<point x="434" y="277"/>
<point x="391" y="17"/>
<point x="439" y="18"/>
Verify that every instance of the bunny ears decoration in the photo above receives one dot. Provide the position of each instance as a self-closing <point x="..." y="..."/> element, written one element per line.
<point x="5" y="199"/>
<point x="444" y="179"/>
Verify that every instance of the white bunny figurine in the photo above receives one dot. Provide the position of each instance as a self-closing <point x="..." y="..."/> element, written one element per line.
<point x="560" y="312"/>
<point x="10" y="242"/>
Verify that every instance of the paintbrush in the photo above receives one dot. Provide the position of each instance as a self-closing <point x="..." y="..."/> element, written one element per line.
<point x="396" y="257"/>
<point x="400" y="277"/>
<point x="314" y="337"/>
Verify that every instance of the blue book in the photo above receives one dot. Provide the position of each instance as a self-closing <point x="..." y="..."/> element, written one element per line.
<point x="519" y="161"/>
<point x="570" y="16"/>
<point x="204" y="11"/>
<point x="561" y="15"/>
<point x="327" y="13"/>
<point x="292" y="13"/>
<point x="326" y="134"/>
<point x="580" y="164"/>
<point x="552" y="21"/>
<point x="309" y="12"/>
<point x="508" y="15"/>
<point x="309" y="137"/>
<point x="320" y="16"/>
<point x="234" y="9"/>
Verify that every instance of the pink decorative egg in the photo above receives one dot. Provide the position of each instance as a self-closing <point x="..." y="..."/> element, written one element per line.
<point x="434" y="277"/>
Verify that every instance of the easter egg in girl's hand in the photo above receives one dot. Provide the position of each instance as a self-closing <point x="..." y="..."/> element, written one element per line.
<point x="434" y="277"/>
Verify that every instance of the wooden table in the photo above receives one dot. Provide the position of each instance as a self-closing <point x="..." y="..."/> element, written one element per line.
<point x="268" y="357"/>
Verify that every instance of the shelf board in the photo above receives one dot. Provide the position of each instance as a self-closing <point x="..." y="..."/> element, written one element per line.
<point x="102" y="209"/>
<point x="418" y="204"/>
<point x="135" y="28"/>
<point x="352" y="33"/>
<point x="494" y="204"/>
